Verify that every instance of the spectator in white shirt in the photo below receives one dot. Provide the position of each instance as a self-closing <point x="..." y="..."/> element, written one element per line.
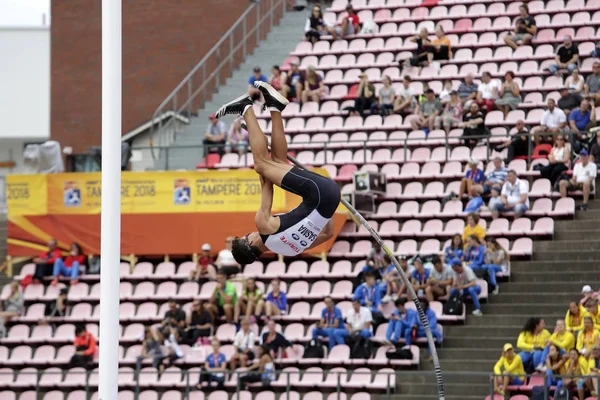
<point x="405" y="102"/>
<point x="514" y="196"/>
<point x="225" y="261"/>
<point x="487" y="92"/>
<point x="244" y="345"/>
<point x="358" y="322"/>
<point x="440" y="279"/>
<point x="554" y="120"/>
<point x="584" y="175"/>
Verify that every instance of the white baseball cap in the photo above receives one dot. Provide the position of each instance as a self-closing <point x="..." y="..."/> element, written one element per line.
<point x="586" y="289"/>
<point x="473" y="161"/>
<point x="206" y="247"/>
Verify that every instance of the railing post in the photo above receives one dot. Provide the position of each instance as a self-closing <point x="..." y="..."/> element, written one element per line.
<point x="325" y="154"/>
<point x="405" y="149"/>
<point x="271" y="15"/>
<point x="238" y="386"/>
<point x="492" y="378"/>
<point x="244" y="40"/>
<point x="38" y="374"/>
<point x="231" y="66"/>
<point x="387" y="389"/>
<point x="187" y="385"/>
<point x="137" y="383"/>
<point x="167" y="158"/>
<point x="529" y="149"/>
<point x="189" y="97"/>
<point x="545" y="387"/>
<point x="257" y="25"/>
<point x="365" y="151"/>
<point x="339" y="386"/>
<point x="288" y="385"/>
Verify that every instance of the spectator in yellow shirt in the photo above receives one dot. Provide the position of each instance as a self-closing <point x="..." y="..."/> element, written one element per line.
<point x="555" y="365"/>
<point x="532" y="341"/>
<point x="561" y="338"/>
<point x="594" y="370"/>
<point x="593" y="311"/>
<point x="576" y="365"/>
<point x="588" y="337"/>
<point x="473" y="228"/>
<point x="511" y="365"/>
<point x="574" y="317"/>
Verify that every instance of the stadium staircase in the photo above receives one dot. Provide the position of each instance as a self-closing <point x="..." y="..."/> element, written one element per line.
<point x="542" y="287"/>
<point x="278" y="45"/>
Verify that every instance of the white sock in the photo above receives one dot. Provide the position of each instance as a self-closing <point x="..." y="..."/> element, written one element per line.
<point x="274" y="109"/>
<point x="246" y="109"/>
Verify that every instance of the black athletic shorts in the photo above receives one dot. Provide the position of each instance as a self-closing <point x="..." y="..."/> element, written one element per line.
<point x="317" y="192"/>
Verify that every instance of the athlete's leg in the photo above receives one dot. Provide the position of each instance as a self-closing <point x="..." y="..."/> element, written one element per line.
<point x="279" y="146"/>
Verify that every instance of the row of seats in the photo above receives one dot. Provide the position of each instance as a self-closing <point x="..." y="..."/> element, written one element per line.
<point x="180" y="395"/>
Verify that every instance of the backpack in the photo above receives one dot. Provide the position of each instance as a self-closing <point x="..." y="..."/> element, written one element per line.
<point x="399" y="354"/>
<point x="537" y="393"/>
<point x="483" y="274"/>
<point x="562" y="394"/>
<point x="314" y="349"/>
<point x="362" y="348"/>
<point x="454" y="304"/>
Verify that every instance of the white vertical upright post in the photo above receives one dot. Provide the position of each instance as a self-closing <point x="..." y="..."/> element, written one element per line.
<point x="110" y="239"/>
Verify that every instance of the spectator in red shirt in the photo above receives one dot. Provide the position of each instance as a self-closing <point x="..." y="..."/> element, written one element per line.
<point x="85" y="347"/>
<point x="349" y="26"/>
<point x="70" y="266"/>
<point x="45" y="262"/>
<point x="205" y="266"/>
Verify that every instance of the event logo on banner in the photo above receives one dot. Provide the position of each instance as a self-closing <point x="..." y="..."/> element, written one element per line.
<point x="181" y="192"/>
<point x="26" y="195"/>
<point x="71" y="194"/>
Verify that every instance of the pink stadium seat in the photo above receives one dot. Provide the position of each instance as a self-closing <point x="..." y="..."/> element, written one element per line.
<point x="337" y="355"/>
<point x="51" y="377"/>
<point x="44" y="355"/>
<point x="543" y="226"/>
<point x="407" y="247"/>
<point x="74" y="377"/>
<point x="27" y="377"/>
<point x="334" y="377"/>
<point x="541" y="207"/>
<point x="337" y="396"/>
<point x="143" y="290"/>
<point x="430" y="228"/>
<point x="360" y="379"/>
<point x="17" y="334"/>
<point x="6" y="378"/>
<point x="183" y="271"/>
<point x="521" y="226"/>
<point x="298" y="290"/>
<point x="563" y="207"/>
<point x="19" y="355"/>
<point x="275" y="269"/>
<point x="145" y="311"/>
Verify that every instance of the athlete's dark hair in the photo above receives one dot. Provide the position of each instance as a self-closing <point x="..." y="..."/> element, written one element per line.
<point x="243" y="252"/>
<point x="531" y="324"/>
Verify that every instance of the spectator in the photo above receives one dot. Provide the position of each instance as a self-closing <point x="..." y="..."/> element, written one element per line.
<point x="215" y="136"/>
<point x="369" y="294"/>
<point x="465" y="282"/>
<point x="420" y="56"/>
<point x="445" y="93"/>
<point x="592" y="84"/>
<point x="559" y="159"/>
<point x="250" y="301"/>
<point x="455" y="248"/>
<point x="474" y="177"/>
<point x="174" y="319"/>
<point x="487" y="92"/>
<point x="172" y="348"/>
<point x="331" y="321"/>
<point x="575" y="82"/>
<point x="405" y="102"/>
<point x="509" y="370"/>
<point x="467" y="91"/>
<point x="440" y="48"/>
<point x="532" y="341"/>
<point x="70" y="266"/>
<point x="574" y="317"/>
<point x="562" y="339"/>
<point x="265" y="368"/>
<point x="567" y="56"/>
<point x="243" y="343"/>
<point x="13" y="306"/>
<point x="420" y="277"/>
<point x="509" y="94"/>
<point x="400" y="322"/>
<point x="58" y="307"/>
<point x="440" y="279"/>
<point x="199" y="323"/>
<point x="276" y="302"/>
<point x="588" y="337"/>
<point x="225" y="261"/>
<point x="44" y="263"/>
<point x="593" y="311"/>
<point x="496" y="178"/>
<point x="417" y="330"/>
<point x="525" y="29"/>
<point x="204" y="266"/>
<point x="514" y="196"/>
<point x="427" y="113"/>
<point x="365" y="95"/>
<point x="496" y="260"/>
<point x="518" y="144"/>
<point x="215" y="367"/>
<point x="473" y="126"/>
<point x="452" y="114"/>
<point x="581" y="120"/>
<point x="315" y="25"/>
<point x="389" y="282"/>
<point x="408" y="270"/>
<point x="553" y="120"/>
<point x="277" y="79"/>
<point x="273" y="339"/>
<point x="257" y="75"/>
<point x="587" y="295"/>
<point x="584" y="176"/>
<point x="555" y="365"/>
<point x="576" y="365"/>
<point x="314" y="88"/>
<point x="475" y="258"/>
<point x="568" y="100"/>
<point x="349" y="26"/>
<point x="359" y="322"/>
<point x="593" y="365"/>
<point x="376" y="261"/>
<point x="595" y="152"/>
<point x="150" y="349"/>
<point x="223" y="299"/>
<point x="387" y="94"/>
<point x="85" y="348"/>
<point x="473" y="228"/>
<point x="422" y="97"/>
<point x="294" y="83"/>
<point x="237" y="138"/>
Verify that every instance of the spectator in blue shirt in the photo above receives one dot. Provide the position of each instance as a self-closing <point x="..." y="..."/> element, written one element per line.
<point x="473" y="176"/>
<point x="331" y="322"/>
<point x="496" y="178"/>
<point x="454" y="249"/>
<point x="582" y="119"/>
<point x="276" y="303"/>
<point x="389" y="285"/>
<point x="214" y="367"/>
<point x="400" y="321"/>
<point x="417" y="330"/>
<point x="419" y="277"/>
<point x="257" y="75"/>
<point x="368" y="294"/>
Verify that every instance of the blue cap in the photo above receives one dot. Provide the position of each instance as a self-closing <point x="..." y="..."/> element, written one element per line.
<point x="584" y="152"/>
<point x="456" y="261"/>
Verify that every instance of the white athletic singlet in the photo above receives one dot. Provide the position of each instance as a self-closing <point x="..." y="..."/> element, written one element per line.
<point x="294" y="239"/>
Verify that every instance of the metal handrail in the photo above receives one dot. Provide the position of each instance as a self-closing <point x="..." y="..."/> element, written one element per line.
<point x="190" y="92"/>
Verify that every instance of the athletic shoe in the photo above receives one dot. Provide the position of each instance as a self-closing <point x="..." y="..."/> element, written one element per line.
<point x="496" y="290"/>
<point x="386" y="299"/>
<point x="477" y="313"/>
<point x="583" y="207"/>
<point x="272" y="97"/>
<point x="234" y="107"/>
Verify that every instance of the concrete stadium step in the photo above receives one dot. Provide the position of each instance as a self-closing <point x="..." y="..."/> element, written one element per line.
<point x="449" y="377"/>
<point x="475" y="343"/>
<point x="484" y="331"/>
<point x="452" y="353"/>
<point x="557" y="276"/>
<point x="531" y="298"/>
<point x="523" y="309"/>
<point x="450" y="389"/>
<point x="586" y="222"/>
<point x="568" y="255"/>
<point x="578" y="234"/>
<point x="546" y="287"/>
<point x="477" y="365"/>
<point x="551" y="266"/>
<point x="498" y="320"/>
<point x="429" y="397"/>
<point x="586" y="244"/>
